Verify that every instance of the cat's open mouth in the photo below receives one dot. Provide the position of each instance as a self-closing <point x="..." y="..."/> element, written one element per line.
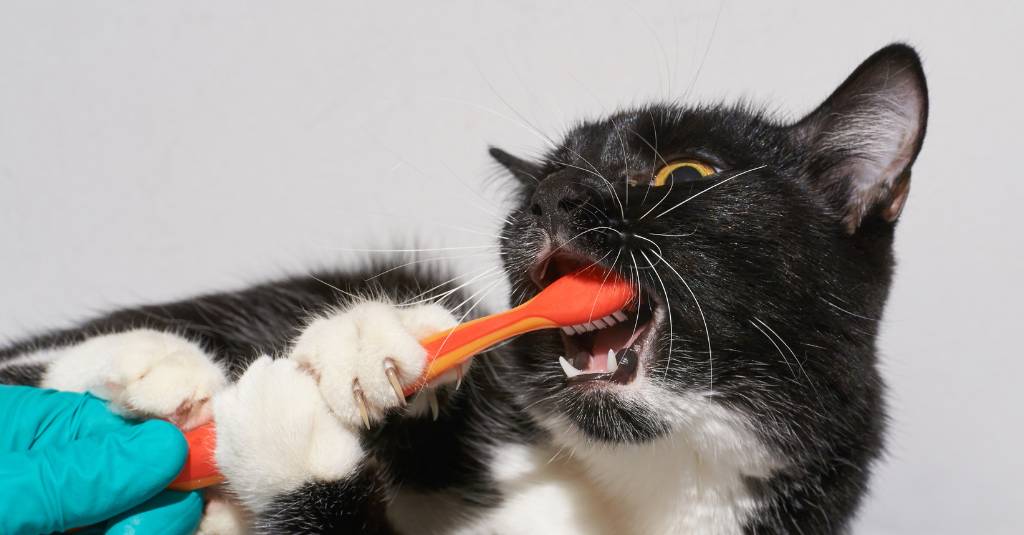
<point x="604" y="351"/>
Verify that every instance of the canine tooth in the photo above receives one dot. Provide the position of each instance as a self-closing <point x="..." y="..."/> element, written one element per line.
<point x="612" y="363"/>
<point x="568" y="330"/>
<point x="569" y="370"/>
<point x="620" y="315"/>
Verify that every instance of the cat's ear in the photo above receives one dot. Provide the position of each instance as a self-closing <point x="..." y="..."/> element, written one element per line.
<point x="865" y="136"/>
<point x="525" y="171"/>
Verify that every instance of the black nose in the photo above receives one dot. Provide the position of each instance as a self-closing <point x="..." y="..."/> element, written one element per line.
<point x="559" y="196"/>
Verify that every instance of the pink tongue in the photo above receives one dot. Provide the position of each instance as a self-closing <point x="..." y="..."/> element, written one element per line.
<point x="617" y="338"/>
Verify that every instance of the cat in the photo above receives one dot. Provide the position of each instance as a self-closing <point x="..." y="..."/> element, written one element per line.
<point x="740" y="395"/>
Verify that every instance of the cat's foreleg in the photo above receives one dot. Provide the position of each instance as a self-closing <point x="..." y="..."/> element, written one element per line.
<point x="289" y="429"/>
<point x="288" y="459"/>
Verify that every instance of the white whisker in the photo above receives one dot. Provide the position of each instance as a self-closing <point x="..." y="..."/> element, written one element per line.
<point x="779" y="349"/>
<point x="329" y="285"/>
<point x="707" y="332"/>
<point x="709" y="188"/>
<point x="420" y="250"/>
<point x="448" y="292"/>
<point x="793" y="353"/>
<point x="424" y="260"/>
<point x="668" y="310"/>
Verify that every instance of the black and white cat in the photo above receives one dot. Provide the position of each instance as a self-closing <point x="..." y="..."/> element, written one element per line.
<point x="740" y="395"/>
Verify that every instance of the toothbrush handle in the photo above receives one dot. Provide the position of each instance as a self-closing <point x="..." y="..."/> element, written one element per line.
<point x="448" y="349"/>
<point x="445" y="351"/>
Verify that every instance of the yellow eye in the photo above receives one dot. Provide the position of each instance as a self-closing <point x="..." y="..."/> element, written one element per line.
<point x="682" y="171"/>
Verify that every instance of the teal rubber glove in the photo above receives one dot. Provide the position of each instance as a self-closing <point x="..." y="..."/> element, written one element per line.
<point x="67" y="462"/>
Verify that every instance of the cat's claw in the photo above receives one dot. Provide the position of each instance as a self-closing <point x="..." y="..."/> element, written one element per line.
<point x="361" y="357"/>
<point x="360" y="399"/>
<point x="391" y="371"/>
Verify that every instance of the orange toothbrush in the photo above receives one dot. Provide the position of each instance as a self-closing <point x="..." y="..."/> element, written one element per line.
<point x="199" y="470"/>
<point x="578" y="302"/>
<point x="573" y="302"/>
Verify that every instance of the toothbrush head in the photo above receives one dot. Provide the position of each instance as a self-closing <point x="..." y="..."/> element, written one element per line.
<point x="583" y="296"/>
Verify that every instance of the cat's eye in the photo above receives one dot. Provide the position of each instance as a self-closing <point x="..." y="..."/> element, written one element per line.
<point x="683" y="171"/>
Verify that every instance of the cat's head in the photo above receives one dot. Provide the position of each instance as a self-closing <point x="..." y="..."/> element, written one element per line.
<point x="761" y="249"/>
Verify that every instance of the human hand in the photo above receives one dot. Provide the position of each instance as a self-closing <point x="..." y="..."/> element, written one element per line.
<point x="66" y="461"/>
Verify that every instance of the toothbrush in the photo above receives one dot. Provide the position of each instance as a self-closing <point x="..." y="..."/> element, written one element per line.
<point x="570" y="303"/>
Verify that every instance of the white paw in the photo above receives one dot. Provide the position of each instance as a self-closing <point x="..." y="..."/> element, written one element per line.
<point x="143" y="373"/>
<point x="348" y="353"/>
<point x="222" y="517"/>
<point x="274" y="432"/>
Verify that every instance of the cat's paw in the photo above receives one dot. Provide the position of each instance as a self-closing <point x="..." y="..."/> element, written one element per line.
<point x="143" y="373"/>
<point x="275" y="432"/>
<point x="361" y="356"/>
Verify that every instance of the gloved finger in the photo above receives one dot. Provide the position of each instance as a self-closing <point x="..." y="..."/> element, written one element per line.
<point x="90" y="479"/>
<point x="37" y="418"/>
<point x="168" y="513"/>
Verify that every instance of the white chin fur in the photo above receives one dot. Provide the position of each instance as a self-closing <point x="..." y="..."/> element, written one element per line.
<point x="689" y="481"/>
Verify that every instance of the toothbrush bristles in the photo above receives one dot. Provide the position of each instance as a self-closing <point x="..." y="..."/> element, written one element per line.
<point x="600" y="323"/>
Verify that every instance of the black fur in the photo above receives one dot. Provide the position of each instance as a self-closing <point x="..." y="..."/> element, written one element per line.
<point x="766" y="254"/>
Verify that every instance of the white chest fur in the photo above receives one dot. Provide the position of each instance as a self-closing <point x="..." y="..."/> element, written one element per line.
<point x="687" y="482"/>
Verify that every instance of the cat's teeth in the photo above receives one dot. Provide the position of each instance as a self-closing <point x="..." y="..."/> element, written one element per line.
<point x="612" y="363"/>
<point x="600" y="323"/>
<point x="569" y="370"/>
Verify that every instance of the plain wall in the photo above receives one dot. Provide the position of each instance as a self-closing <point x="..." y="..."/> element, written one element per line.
<point x="150" y="151"/>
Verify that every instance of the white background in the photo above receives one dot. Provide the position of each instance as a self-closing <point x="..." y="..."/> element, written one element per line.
<point x="150" y="151"/>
